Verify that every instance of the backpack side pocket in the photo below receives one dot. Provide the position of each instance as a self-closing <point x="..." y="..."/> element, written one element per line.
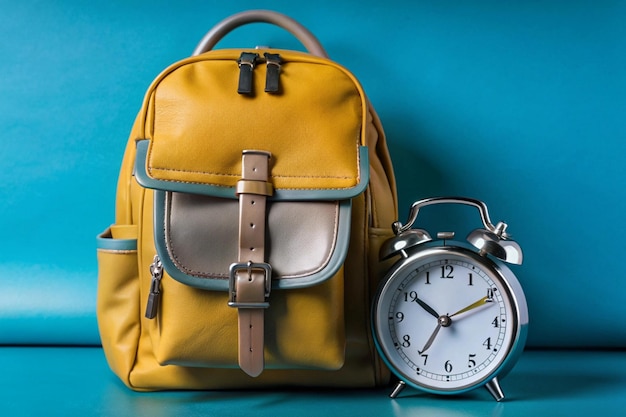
<point x="118" y="307"/>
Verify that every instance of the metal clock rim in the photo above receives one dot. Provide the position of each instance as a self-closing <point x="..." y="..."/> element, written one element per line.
<point x="505" y="278"/>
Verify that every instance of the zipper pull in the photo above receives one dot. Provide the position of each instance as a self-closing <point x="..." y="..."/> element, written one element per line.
<point x="272" y="78"/>
<point x="156" y="270"/>
<point x="247" y="62"/>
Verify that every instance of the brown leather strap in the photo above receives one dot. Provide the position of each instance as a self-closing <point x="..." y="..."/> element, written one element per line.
<point x="250" y="278"/>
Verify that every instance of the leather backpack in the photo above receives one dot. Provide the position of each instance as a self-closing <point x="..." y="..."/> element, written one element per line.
<point x="255" y="191"/>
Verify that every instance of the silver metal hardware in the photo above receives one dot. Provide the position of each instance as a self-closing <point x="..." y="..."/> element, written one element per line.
<point x="494" y="389"/>
<point x="493" y="239"/>
<point x="493" y="244"/>
<point x="154" y="297"/>
<point x="482" y="209"/>
<point x="249" y="267"/>
<point x="398" y="389"/>
<point x="445" y="235"/>
<point x="399" y="244"/>
<point x="248" y="59"/>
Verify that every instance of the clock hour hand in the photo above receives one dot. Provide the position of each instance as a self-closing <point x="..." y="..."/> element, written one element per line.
<point x="479" y="303"/>
<point x="428" y="308"/>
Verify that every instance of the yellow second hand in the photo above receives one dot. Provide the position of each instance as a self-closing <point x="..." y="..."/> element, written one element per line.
<point x="472" y="306"/>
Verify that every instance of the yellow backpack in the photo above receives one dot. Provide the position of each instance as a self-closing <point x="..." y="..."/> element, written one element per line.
<point x="254" y="194"/>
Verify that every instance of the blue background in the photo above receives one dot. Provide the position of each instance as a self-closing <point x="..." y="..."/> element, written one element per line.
<point x="518" y="103"/>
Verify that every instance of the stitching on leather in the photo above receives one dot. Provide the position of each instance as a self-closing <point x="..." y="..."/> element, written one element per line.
<point x="117" y="251"/>
<point x="151" y="169"/>
<point x="281" y="188"/>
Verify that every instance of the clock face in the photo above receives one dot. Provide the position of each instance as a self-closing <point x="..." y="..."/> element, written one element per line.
<point x="446" y="319"/>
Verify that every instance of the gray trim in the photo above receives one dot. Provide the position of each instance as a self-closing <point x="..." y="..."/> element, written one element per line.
<point x="106" y="242"/>
<point x="221" y="284"/>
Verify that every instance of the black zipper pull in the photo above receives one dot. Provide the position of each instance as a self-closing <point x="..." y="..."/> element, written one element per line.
<point x="156" y="270"/>
<point x="272" y="78"/>
<point x="247" y="62"/>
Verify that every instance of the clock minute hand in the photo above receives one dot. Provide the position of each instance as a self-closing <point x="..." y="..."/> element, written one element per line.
<point x="479" y="303"/>
<point x="431" y="339"/>
<point x="442" y="321"/>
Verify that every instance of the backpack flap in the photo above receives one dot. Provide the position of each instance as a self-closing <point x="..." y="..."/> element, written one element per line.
<point x="196" y="229"/>
<point x="196" y="238"/>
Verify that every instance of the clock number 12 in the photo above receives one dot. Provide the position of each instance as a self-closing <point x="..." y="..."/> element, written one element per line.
<point x="446" y="273"/>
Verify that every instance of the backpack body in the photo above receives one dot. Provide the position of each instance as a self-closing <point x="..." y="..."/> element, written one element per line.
<point x="251" y="205"/>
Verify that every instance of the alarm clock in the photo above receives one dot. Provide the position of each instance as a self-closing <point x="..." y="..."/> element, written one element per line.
<point x="450" y="316"/>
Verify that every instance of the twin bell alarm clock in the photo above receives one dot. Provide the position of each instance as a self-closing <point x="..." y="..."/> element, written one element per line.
<point x="450" y="316"/>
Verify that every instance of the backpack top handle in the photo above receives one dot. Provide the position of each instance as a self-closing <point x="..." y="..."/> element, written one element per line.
<point x="301" y="33"/>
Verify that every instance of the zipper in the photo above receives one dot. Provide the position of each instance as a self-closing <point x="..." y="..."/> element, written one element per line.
<point x="247" y="62"/>
<point x="156" y="270"/>
<point x="272" y="75"/>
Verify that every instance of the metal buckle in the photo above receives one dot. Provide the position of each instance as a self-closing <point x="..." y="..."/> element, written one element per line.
<point x="249" y="266"/>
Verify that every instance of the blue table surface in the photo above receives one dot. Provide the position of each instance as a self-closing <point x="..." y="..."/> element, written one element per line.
<point x="72" y="381"/>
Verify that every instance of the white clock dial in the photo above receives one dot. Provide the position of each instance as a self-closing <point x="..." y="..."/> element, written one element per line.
<point x="446" y="320"/>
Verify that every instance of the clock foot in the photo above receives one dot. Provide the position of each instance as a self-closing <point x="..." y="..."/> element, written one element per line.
<point x="494" y="389"/>
<point x="397" y="390"/>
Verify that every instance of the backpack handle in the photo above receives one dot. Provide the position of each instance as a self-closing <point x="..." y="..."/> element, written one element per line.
<point x="220" y="30"/>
